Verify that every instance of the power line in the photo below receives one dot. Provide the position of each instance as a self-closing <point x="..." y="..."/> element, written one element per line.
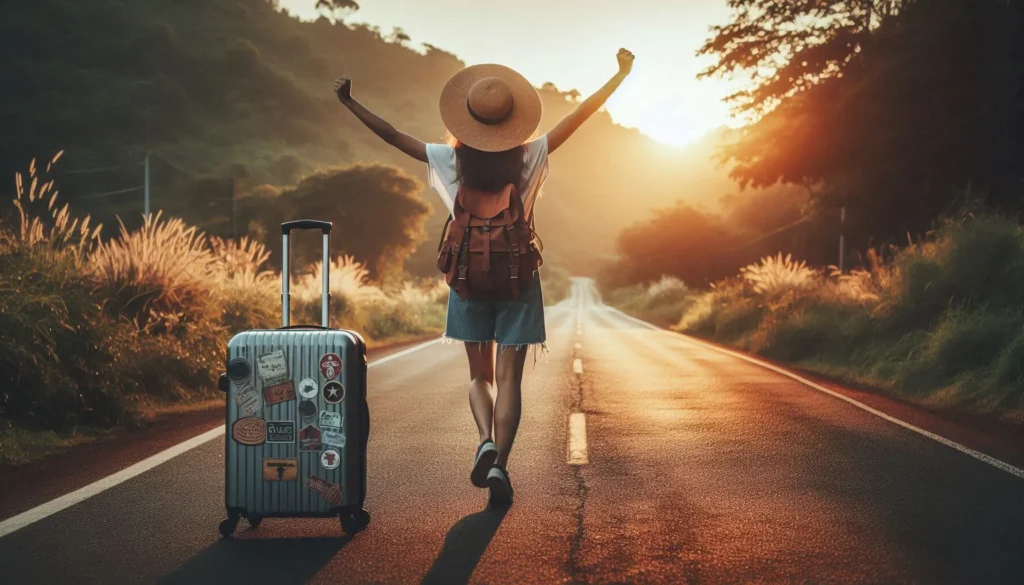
<point x="771" y="233"/>
<point x="100" y="169"/>
<point x="108" y="193"/>
<point x="175" y="166"/>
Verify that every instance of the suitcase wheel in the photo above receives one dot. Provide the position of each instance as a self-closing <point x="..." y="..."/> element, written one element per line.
<point x="254" y="521"/>
<point x="352" y="523"/>
<point x="228" y="525"/>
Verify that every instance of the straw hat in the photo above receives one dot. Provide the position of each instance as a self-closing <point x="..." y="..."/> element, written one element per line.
<point x="490" y="108"/>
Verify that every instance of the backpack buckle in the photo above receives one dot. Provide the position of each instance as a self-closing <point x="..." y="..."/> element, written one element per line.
<point x="462" y="272"/>
<point x="485" y="228"/>
<point x="514" y="270"/>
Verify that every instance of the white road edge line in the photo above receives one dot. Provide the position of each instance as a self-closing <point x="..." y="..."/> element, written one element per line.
<point x="403" y="353"/>
<point x="998" y="464"/>
<point x="577" y="439"/>
<point x="50" y="508"/>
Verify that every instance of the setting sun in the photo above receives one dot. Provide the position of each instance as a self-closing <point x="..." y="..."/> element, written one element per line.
<point x="674" y="119"/>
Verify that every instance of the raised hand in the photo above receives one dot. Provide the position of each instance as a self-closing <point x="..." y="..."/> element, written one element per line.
<point x="343" y="88"/>
<point x="625" y="61"/>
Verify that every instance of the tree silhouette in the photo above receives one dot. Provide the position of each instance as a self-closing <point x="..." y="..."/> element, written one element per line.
<point x="339" y="9"/>
<point x="399" y="36"/>
<point x="786" y="47"/>
<point x="890" y="108"/>
<point x="377" y="212"/>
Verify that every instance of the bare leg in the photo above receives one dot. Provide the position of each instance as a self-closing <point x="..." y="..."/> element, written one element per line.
<point x="508" y="407"/>
<point x="481" y="379"/>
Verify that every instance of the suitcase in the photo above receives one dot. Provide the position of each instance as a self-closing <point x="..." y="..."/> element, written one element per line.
<point x="296" y="416"/>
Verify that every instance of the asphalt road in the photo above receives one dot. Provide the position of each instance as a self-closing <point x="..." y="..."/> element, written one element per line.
<point x="701" y="468"/>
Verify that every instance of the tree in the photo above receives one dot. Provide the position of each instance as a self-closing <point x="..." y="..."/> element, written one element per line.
<point x="680" y="241"/>
<point x="339" y="9"/>
<point x="786" y="47"/>
<point x="399" y="36"/>
<point x="377" y="213"/>
<point x="887" y="107"/>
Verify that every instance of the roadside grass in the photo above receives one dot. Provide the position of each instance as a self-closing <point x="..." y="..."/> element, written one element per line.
<point x="105" y="334"/>
<point x="556" y="283"/>
<point x="663" y="302"/>
<point x="19" y="445"/>
<point x="939" y="323"/>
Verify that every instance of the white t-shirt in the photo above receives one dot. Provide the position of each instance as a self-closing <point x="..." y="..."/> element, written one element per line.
<point x="442" y="173"/>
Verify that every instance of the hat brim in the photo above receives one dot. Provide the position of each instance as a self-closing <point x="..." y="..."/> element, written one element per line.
<point x="508" y="134"/>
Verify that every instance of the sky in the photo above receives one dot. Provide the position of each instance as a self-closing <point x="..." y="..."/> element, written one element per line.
<point x="572" y="43"/>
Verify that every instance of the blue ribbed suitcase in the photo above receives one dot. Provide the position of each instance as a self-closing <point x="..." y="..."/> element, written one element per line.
<point x="297" y="419"/>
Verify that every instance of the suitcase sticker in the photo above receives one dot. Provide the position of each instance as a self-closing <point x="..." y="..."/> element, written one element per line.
<point x="309" y="438"/>
<point x="307" y="408"/>
<point x="280" y="431"/>
<point x="308" y="388"/>
<point x="330" y="366"/>
<point x="333" y="439"/>
<point x="330" y="459"/>
<point x="330" y="492"/>
<point x="248" y="400"/>
<point x="278" y="393"/>
<point x="333" y="392"/>
<point x="273" y="367"/>
<point x="249" y="430"/>
<point x="280" y="469"/>
<point x="330" y="420"/>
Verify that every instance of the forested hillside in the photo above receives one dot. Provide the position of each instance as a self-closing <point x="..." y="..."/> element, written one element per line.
<point x="234" y="89"/>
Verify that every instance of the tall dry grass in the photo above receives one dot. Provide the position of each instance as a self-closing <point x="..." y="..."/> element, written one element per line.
<point x="158" y="276"/>
<point x="41" y="223"/>
<point x="402" y="310"/>
<point x="777" y="275"/>
<point x="93" y="330"/>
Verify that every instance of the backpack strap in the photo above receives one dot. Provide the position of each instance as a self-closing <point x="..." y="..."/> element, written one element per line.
<point x="444" y="232"/>
<point x="487" y="245"/>
<point x="513" y="267"/>
<point x="464" y="254"/>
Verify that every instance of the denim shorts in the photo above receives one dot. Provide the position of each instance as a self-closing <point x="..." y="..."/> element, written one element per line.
<point x="518" y="322"/>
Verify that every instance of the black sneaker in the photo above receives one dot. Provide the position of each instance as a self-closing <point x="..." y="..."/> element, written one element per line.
<point x="486" y="454"/>
<point x="500" y="486"/>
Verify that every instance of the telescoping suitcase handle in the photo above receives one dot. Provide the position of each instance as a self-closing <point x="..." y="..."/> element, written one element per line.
<point x="286" y="296"/>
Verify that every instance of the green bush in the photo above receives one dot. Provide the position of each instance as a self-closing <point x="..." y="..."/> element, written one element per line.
<point x="940" y="323"/>
<point x="662" y="302"/>
<point x="63" y="362"/>
<point x="962" y="342"/>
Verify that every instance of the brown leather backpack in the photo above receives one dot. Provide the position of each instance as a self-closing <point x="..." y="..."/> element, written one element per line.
<point x="488" y="249"/>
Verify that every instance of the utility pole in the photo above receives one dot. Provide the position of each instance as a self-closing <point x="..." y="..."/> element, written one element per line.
<point x="146" y="190"/>
<point x="842" y="241"/>
<point x="234" y="210"/>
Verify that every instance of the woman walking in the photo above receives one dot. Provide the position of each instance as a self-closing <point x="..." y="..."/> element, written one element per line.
<point x="490" y="176"/>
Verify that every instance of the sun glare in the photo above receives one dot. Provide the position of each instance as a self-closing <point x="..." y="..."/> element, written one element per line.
<point x="677" y="119"/>
<point x="673" y="131"/>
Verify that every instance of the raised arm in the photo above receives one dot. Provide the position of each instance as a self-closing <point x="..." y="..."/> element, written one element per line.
<point x="570" y="123"/>
<point x="400" y="140"/>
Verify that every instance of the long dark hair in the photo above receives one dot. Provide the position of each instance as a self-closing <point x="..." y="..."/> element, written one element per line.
<point x="489" y="171"/>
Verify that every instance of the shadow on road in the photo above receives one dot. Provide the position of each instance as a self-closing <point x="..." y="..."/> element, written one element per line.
<point x="255" y="561"/>
<point x="463" y="546"/>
